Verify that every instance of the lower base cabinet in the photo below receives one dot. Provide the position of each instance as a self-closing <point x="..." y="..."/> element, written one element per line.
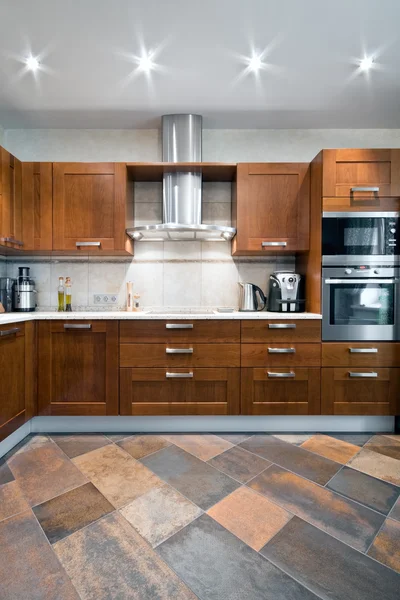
<point x="78" y="368"/>
<point x="360" y="391"/>
<point x="280" y="391"/>
<point x="17" y="376"/>
<point x="206" y="391"/>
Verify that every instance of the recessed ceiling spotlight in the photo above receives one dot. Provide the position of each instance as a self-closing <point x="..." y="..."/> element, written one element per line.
<point x="32" y="63"/>
<point x="255" y="63"/>
<point x="366" y="63"/>
<point x="146" y="62"/>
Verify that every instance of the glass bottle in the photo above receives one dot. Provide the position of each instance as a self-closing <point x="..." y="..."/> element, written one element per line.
<point x="68" y="294"/>
<point x="61" y="294"/>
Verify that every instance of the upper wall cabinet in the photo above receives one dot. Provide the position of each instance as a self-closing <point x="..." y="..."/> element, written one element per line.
<point x="360" y="178"/>
<point x="37" y="206"/>
<point x="10" y="201"/>
<point x="89" y="208"/>
<point x="271" y="208"/>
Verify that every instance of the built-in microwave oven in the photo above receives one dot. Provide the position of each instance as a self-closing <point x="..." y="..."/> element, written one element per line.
<point x="358" y="237"/>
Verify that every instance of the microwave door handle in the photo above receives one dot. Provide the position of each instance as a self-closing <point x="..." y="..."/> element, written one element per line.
<point x="381" y="234"/>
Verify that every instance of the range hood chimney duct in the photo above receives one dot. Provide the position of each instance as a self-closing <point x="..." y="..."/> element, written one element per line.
<point x="182" y="190"/>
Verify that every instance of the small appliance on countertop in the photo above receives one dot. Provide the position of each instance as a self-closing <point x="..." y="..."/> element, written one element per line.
<point x="6" y="293"/>
<point x="248" y="301"/>
<point x="24" y="294"/>
<point x="286" y="292"/>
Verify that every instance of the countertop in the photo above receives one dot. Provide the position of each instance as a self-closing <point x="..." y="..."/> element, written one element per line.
<point x="15" y="317"/>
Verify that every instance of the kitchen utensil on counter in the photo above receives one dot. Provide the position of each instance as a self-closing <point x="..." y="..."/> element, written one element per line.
<point x="129" y="296"/>
<point x="286" y="292"/>
<point x="6" y="293"/>
<point x="61" y="295"/>
<point x="248" y="301"/>
<point x="68" y="294"/>
<point x="24" y="293"/>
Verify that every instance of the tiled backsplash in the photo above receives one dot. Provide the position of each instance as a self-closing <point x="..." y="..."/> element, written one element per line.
<point x="174" y="274"/>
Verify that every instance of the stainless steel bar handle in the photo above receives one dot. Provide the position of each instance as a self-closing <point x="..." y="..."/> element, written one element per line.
<point x="281" y="325"/>
<point x="77" y="326"/>
<point x="363" y="350"/>
<point x="281" y="350"/>
<point x="269" y="244"/>
<point x="291" y="374"/>
<point x="179" y="351"/>
<point x="179" y="326"/>
<point x="179" y="375"/>
<point x="364" y="189"/>
<point x="12" y="331"/>
<point x="369" y="374"/>
<point x="12" y="241"/>
<point x="362" y="281"/>
<point x="98" y="244"/>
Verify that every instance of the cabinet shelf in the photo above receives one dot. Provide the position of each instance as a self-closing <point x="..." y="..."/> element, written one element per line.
<point x="143" y="171"/>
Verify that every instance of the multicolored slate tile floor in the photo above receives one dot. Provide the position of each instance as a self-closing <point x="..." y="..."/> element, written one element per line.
<point x="213" y="517"/>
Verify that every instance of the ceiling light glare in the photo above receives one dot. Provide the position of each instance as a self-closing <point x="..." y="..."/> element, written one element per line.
<point x="255" y="63"/>
<point x="366" y="63"/>
<point x="146" y="63"/>
<point x="32" y="63"/>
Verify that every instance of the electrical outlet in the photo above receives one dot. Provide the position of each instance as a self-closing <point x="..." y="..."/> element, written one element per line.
<point x="105" y="299"/>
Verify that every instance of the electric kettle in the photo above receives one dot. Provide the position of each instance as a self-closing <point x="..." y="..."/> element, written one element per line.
<point x="248" y="301"/>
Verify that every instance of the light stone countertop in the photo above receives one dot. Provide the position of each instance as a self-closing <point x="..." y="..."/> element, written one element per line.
<point x="16" y="317"/>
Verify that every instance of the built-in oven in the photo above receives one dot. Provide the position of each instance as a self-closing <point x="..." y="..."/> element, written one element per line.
<point x="361" y="303"/>
<point x="351" y="237"/>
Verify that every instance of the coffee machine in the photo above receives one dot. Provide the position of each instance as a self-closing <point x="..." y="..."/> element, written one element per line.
<point x="24" y="294"/>
<point x="286" y="292"/>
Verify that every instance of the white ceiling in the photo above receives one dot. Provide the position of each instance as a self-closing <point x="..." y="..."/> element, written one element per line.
<point x="312" y="80"/>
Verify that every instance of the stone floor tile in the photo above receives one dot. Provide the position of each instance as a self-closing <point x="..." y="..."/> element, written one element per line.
<point x="337" y="450"/>
<point x="395" y="514"/>
<point x="329" y="568"/>
<point x="160" y="513"/>
<point x="250" y="516"/>
<point x="204" y="446"/>
<point x="139" y="446"/>
<point x="378" y="465"/>
<point x="234" y="438"/>
<point x="293" y="438"/>
<point x="117" y="475"/>
<point x="12" y="501"/>
<point x="108" y="560"/>
<point x="384" y="445"/>
<point x="239" y="464"/>
<point x="5" y="472"/>
<point x="71" y="511"/>
<point x="80" y="443"/>
<point x="350" y="522"/>
<point x="358" y="439"/>
<point x="386" y="546"/>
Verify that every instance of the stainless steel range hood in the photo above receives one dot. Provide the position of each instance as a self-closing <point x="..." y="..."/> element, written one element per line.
<point x="181" y="143"/>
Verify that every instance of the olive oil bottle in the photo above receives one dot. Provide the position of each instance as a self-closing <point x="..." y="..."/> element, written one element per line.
<point x="68" y="294"/>
<point x="61" y="294"/>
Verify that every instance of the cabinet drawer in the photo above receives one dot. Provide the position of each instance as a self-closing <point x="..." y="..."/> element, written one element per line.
<point x="276" y="354"/>
<point x="280" y="391"/>
<point x="285" y="330"/>
<point x="179" y="331"/>
<point x="179" y="391"/>
<point x="355" y="354"/>
<point x="12" y="330"/>
<point x="355" y="391"/>
<point x="179" y="355"/>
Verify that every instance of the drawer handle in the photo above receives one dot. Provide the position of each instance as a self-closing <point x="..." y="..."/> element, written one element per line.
<point x="97" y="244"/>
<point x="179" y="351"/>
<point x="12" y="331"/>
<point x="269" y="244"/>
<point x="281" y="350"/>
<point x="291" y="374"/>
<point x="363" y="350"/>
<point x="179" y="326"/>
<point x="369" y="374"/>
<point x="364" y="189"/>
<point x="179" y="375"/>
<point x="281" y="325"/>
<point x="75" y="326"/>
<point x="12" y="240"/>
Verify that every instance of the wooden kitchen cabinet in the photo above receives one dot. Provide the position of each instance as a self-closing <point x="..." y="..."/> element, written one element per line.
<point x="18" y="380"/>
<point x="350" y="177"/>
<point x="78" y="368"/>
<point x="280" y="391"/>
<point x="89" y="208"/>
<point x="344" y="391"/>
<point x="10" y="201"/>
<point x="206" y="391"/>
<point x="271" y="208"/>
<point x="37" y="206"/>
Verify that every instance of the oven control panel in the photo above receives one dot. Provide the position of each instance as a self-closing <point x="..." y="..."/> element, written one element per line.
<point x="391" y="235"/>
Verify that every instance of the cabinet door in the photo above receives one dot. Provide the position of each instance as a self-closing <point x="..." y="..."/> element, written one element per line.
<point x="89" y="204"/>
<point x="78" y="368"/>
<point x="360" y="391"/>
<point x="10" y="201"/>
<point x="37" y="203"/>
<point x="17" y="368"/>
<point x="272" y="208"/>
<point x="179" y="391"/>
<point x="360" y="178"/>
<point x="280" y="391"/>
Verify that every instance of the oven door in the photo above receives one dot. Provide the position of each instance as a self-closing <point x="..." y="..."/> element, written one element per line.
<point x="360" y="309"/>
